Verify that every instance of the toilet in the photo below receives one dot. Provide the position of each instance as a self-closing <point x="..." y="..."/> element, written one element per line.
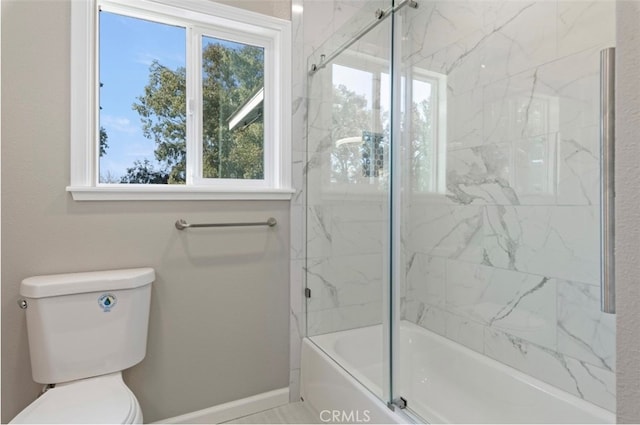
<point x="84" y="329"/>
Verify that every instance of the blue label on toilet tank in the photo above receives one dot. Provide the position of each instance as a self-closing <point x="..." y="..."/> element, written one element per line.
<point x="106" y="302"/>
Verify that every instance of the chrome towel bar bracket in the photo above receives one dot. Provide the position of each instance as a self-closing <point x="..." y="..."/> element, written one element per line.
<point x="182" y="224"/>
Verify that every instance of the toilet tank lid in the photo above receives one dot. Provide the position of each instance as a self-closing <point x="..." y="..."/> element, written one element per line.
<point x="77" y="283"/>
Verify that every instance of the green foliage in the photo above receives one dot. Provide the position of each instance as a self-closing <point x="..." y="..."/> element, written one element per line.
<point x="162" y="110"/>
<point x="103" y="141"/>
<point x="359" y="152"/>
<point x="350" y="113"/>
<point x="230" y="78"/>
<point x="351" y="118"/>
<point x="144" y="172"/>
<point x="422" y="146"/>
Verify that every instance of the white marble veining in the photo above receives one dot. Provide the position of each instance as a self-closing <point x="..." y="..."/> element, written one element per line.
<point x="555" y="241"/>
<point x="340" y="241"/>
<point x="518" y="225"/>
<point x="494" y="262"/>
<point x="478" y="42"/>
<point x="425" y="315"/>
<point x="318" y="228"/>
<point x="560" y="168"/>
<point x="481" y="175"/>
<point x="584" y="332"/>
<point x="594" y="384"/>
<point x="515" y="36"/>
<point x="557" y="95"/>
<point x="537" y="120"/>
<point x="423" y="299"/>
<point x="444" y="230"/>
<point x="464" y="331"/>
<point x="560" y="242"/>
<point x="297" y="316"/>
<point x="346" y="222"/>
<point x="345" y="228"/>
<point x="346" y="280"/>
<point x="589" y="382"/>
<point x="535" y="170"/>
<point x="520" y="304"/>
<point x="464" y="119"/>
<point x="579" y="166"/>
<point x="364" y="237"/>
<point x="425" y="279"/>
<point x="585" y="24"/>
<point x="434" y="25"/>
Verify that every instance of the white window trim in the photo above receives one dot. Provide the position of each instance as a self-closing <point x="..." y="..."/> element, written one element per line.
<point x="439" y="117"/>
<point x="84" y="185"/>
<point x="363" y="191"/>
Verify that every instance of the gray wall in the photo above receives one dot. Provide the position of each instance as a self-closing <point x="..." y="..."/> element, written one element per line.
<point x="219" y="313"/>
<point x="278" y="8"/>
<point x="627" y="211"/>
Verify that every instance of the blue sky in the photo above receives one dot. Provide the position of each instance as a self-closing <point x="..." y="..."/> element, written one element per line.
<point x="127" y="48"/>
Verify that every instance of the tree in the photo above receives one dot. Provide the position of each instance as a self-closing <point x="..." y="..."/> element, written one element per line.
<point x="350" y="117"/>
<point x="422" y="148"/>
<point x="162" y="110"/>
<point x="362" y="156"/>
<point x="110" y="178"/>
<point x="231" y="76"/>
<point x="103" y="141"/>
<point x="144" y="172"/>
<point x="358" y="149"/>
<point x="350" y="113"/>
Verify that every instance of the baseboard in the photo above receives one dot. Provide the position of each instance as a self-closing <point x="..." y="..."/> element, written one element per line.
<point x="233" y="409"/>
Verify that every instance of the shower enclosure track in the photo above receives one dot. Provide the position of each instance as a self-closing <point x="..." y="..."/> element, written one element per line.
<point x="380" y="16"/>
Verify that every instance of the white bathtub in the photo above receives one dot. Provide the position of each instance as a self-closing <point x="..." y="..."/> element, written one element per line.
<point x="444" y="382"/>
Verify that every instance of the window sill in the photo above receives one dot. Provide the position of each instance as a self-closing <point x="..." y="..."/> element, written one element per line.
<point x="174" y="193"/>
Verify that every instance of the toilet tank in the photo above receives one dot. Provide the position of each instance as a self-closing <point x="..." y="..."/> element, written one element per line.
<point x="86" y="324"/>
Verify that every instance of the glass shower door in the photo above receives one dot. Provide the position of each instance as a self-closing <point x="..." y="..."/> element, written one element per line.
<point x="499" y="208"/>
<point x="348" y="180"/>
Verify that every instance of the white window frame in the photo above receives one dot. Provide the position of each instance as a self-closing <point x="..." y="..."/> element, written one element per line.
<point x="201" y="17"/>
<point x="376" y="66"/>
<point x="438" y="81"/>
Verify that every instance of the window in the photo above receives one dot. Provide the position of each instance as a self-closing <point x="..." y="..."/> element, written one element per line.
<point x="360" y="126"/>
<point x="360" y="123"/>
<point x="427" y="104"/>
<point x="178" y="100"/>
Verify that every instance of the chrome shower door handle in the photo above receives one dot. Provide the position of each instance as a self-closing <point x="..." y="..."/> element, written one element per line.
<point x="607" y="185"/>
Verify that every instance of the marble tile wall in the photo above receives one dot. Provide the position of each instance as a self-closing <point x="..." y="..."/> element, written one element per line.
<point x="506" y="260"/>
<point x="297" y="318"/>
<point x="335" y="247"/>
<point x="346" y="222"/>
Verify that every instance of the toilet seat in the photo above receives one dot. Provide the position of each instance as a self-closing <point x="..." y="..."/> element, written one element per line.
<point x="102" y="399"/>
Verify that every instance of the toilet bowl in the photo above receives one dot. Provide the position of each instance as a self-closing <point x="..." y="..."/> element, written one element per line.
<point x="103" y="399"/>
<point x="84" y="329"/>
